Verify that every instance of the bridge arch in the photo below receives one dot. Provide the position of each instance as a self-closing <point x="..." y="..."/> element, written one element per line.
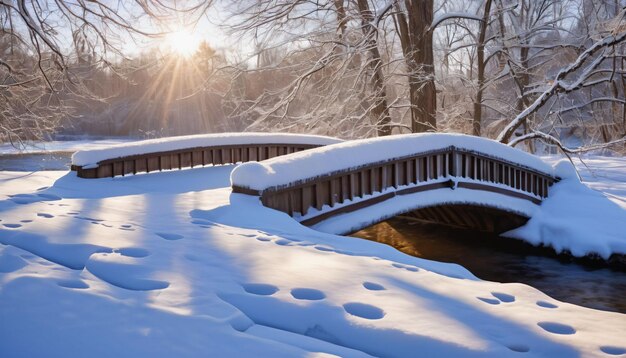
<point x="447" y="178"/>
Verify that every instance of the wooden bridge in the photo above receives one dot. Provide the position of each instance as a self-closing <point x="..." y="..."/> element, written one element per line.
<point x="455" y="180"/>
<point x="177" y="153"/>
<point x="466" y="187"/>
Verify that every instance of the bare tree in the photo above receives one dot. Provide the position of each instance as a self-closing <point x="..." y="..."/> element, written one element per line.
<point x="50" y="48"/>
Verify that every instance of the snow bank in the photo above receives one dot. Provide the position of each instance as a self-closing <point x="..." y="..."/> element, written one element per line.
<point x="93" y="156"/>
<point x="175" y="265"/>
<point x="577" y="218"/>
<point x="319" y="161"/>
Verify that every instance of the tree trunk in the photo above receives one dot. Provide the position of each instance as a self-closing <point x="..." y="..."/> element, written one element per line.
<point x="417" y="46"/>
<point x="478" y="102"/>
<point x="380" y="110"/>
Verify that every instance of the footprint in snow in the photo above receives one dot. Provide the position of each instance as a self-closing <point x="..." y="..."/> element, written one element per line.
<point x="26" y="221"/>
<point x="86" y="218"/>
<point x="261" y="289"/>
<point x="503" y="297"/>
<point x="49" y="196"/>
<point x="282" y="242"/>
<point x="201" y="222"/>
<point x="612" y="350"/>
<point x="77" y="284"/>
<point x="557" y="328"/>
<point x="29" y="198"/>
<point x="324" y="248"/>
<point x="373" y="286"/>
<point x="168" y="236"/>
<point x="135" y="252"/>
<point x="521" y="348"/>
<point x="329" y="249"/>
<point x="126" y="227"/>
<point x="263" y="238"/>
<point x="45" y="215"/>
<point x="12" y="226"/>
<point x="546" y="304"/>
<point x="408" y="268"/>
<point x="309" y="294"/>
<point x="491" y="301"/>
<point x="136" y="276"/>
<point x="364" y="310"/>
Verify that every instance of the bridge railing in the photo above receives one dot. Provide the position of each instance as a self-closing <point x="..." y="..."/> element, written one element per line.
<point x="365" y="185"/>
<point x="186" y="153"/>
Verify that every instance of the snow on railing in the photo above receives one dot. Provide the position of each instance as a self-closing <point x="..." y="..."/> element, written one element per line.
<point x="351" y="171"/>
<point x="190" y="151"/>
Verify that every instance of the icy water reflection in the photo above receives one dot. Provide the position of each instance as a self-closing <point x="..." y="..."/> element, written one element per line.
<point x="502" y="260"/>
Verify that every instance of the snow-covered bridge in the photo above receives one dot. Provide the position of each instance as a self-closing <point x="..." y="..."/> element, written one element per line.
<point x="189" y="151"/>
<point x="341" y="187"/>
<point x="453" y="179"/>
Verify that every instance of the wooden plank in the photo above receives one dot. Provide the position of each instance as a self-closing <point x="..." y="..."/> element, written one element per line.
<point x="410" y="171"/>
<point x="272" y="151"/>
<point x="341" y="189"/>
<point x="185" y="160"/>
<point x="319" y="201"/>
<point x="207" y="156"/>
<point x="354" y="185"/>
<point x="140" y="165"/>
<point x="196" y="158"/>
<point x="129" y="167"/>
<point x="226" y="156"/>
<point x="104" y="171"/>
<point x="493" y="189"/>
<point x="347" y="209"/>
<point x="374" y="174"/>
<point x="362" y="181"/>
<point x="118" y="168"/>
<point x="152" y="164"/>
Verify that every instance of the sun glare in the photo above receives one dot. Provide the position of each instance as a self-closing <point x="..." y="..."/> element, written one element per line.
<point x="183" y="43"/>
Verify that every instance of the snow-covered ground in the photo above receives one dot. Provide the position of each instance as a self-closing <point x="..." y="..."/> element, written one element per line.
<point x="173" y="264"/>
<point x="583" y="219"/>
<point x="62" y="145"/>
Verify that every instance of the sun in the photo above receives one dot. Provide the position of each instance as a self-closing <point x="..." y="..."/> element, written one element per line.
<point x="182" y="42"/>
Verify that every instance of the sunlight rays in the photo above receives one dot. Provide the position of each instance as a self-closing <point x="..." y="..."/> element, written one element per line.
<point x="182" y="42"/>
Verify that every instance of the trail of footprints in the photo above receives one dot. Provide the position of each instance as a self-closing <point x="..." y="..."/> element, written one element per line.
<point x="548" y="326"/>
<point x="358" y="309"/>
<point x="371" y="312"/>
<point x="75" y="214"/>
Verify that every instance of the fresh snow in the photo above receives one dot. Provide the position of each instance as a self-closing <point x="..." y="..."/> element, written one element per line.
<point x="91" y="157"/>
<point x="60" y="146"/>
<point x="175" y="264"/>
<point x="582" y="219"/>
<point x="308" y="164"/>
